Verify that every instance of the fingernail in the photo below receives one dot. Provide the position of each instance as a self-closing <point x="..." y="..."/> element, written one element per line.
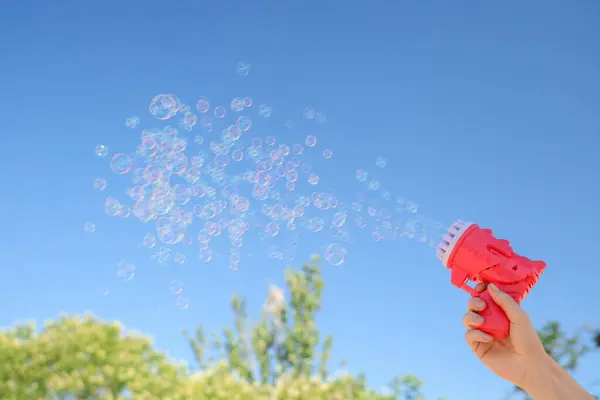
<point x="479" y="319"/>
<point x="480" y="303"/>
<point x="493" y="288"/>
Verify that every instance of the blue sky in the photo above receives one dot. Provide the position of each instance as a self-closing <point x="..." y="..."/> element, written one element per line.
<point x="486" y="111"/>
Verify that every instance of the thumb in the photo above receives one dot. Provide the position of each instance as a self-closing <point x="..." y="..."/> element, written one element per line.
<point x="513" y="310"/>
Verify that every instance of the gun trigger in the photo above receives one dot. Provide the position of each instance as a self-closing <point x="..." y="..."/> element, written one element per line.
<point x="470" y="290"/>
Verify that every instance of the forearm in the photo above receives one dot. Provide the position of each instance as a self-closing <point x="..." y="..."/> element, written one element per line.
<point x="551" y="382"/>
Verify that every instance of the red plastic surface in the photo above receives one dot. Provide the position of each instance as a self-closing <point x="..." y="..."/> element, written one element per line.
<point x="479" y="257"/>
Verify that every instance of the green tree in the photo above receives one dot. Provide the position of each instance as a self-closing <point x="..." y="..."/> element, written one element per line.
<point x="82" y="358"/>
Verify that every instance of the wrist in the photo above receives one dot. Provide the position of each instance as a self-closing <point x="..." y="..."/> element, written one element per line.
<point x="547" y="380"/>
<point x="538" y="374"/>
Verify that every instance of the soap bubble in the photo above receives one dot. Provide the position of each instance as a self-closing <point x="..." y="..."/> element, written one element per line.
<point x="202" y="105"/>
<point x="182" y="302"/>
<point x="100" y="184"/>
<point x="327" y="154"/>
<point x="132" y="122"/>
<point x="121" y="164"/>
<point x="179" y="258"/>
<point x="101" y="150"/>
<point x="205" y="254"/>
<point x="243" y="68"/>
<point x="149" y="241"/>
<point x="265" y="110"/>
<point x="308" y="113"/>
<point x="125" y="270"/>
<point x="176" y="286"/>
<point x="361" y="175"/>
<point x="111" y="206"/>
<point x="335" y="254"/>
<point x="89" y="227"/>
<point x="220" y="112"/>
<point x="313" y="179"/>
<point x="164" y="106"/>
<point x="243" y="123"/>
<point x="311" y="141"/>
<point x="380" y="162"/>
<point x="272" y="229"/>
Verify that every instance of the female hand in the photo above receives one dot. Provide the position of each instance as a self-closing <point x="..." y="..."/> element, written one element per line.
<point x="517" y="356"/>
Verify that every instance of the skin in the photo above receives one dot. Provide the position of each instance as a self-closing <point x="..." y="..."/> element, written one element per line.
<point x="520" y="358"/>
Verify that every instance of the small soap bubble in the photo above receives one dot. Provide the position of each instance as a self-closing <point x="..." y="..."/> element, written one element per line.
<point x="311" y="141"/>
<point x="298" y="149"/>
<point x="112" y="206"/>
<point x="237" y="155"/>
<point x="380" y="162"/>
<point x="308" y="113"/>
<point x="121" y="164"/>
<point x="89" y="227"/>
<point x="272" y="229"/>
<point x="313" y="179"/>
<point x="220" y="112"/>
<point x="327" y="154"/>
<point x="179" y="258"/>
<point x="265" y="110"/>
<point x="100" y="184"/>
<point x="411" y="207"/>
<point x="320" y="118"/>
<point x="132" y="122"/>
<point x="205" y="254"/>
<point x="202" y="105"/>
<point x="164" y="106"/>
<point x="339" y="219"/>
<point x="175" y="286"/>
<point x="289" y="124"/>
<point x="361" y="175"/>
<point x="101" y="150"/>
<point x="149" y="241"/>
<point x="182" y="302"/>
<point x="243" y="68"/>
<point x="335" y="254"/>
<point x="125" y="270"/>
<point x="243" y="123"/>
<point x="374" y="185"/>
<point x="247" y="101"/>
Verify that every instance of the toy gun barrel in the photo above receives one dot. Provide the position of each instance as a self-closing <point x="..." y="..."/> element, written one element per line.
<point x="474" y="254"/>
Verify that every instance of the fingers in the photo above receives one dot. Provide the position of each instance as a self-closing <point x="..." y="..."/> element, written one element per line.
<point x="480" y="287"/>
<point x="513" y="310"/>
<point x="476" y="304"/>
<point x="474" y="338"/>
<point x="472" y="320"/>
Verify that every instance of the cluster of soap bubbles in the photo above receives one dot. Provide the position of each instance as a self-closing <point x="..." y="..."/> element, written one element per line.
<point x="229" y="182"/>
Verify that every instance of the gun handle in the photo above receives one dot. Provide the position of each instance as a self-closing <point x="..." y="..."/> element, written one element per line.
<point x="496" y="322"/>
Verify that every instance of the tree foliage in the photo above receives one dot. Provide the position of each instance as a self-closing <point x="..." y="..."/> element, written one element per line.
<point x="81" y="358"/>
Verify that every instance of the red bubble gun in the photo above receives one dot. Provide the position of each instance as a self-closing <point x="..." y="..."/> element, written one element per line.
<point x="474" y="254"/>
